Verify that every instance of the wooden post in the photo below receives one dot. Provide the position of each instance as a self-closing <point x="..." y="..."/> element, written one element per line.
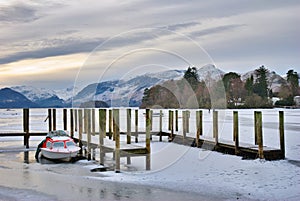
<point x="102" y="133"/>
<point x="281" y="132"/>
<point x="259" y="135"/>
<point x="128" y="160"/>
<point x="215" y="127"/>
<point x="93" y="122"/>
<point x="187" y="113"/>
<point x="65" y="119"/>
<point x="26" y="127"/>
<point x="72" y="122"/>
<point x="49" y="120"/>
<point x="54" y="119"/>
<point x="255" y="127"/>
<point x="236" y="131"/>
<point x="75" y="120"/>
<point x="110" y="124"/>
<point x="136" y="126"/>
<point x="160" y="125"/>
<point x="176" y="120"/>
<point x="199" y="126"/>
<point x="148" y="126"/>
<point x="151" y="121"/>
<point x="183" y="124"/>
<point x="169" y="123"/>
<point x="128" y="126"/>
<point x="87" y="125"/>
<point x="80" y="124"/>
<point x="172" y="124"/>
<point x="201" y="122"/>
<point x="80" y="130"/>
<point x="116" y="128"/>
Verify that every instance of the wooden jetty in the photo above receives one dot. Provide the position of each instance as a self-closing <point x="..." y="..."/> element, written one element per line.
<point x="83" y="129"/>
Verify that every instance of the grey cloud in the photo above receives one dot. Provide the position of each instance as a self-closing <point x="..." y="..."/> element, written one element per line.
<point x="18" y="13"/>
<point x="57" y="47"/>
<point x="215" y="30"/>
<point x="175" y="27"/>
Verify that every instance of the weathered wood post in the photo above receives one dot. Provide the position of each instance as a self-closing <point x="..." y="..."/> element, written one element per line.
<point x="199" y="126"/>
<point x="184" y="124"/>
<point x="259" y="134"/>
<point x="26" y="126"/>
<point x="75" y="120"/>
<point x="151" y="121"/>
<point x="102" y="133"/>
<point x="169" y="123"/>
<point x="281" y="133"/>
<point x="87" y="125"/>
<point x="49" y="119"/>
<point x="80" y="130"/>
<point x="176" y="120"/>
<point x="116" y="128"/>
<point x="110" y="126"/>
<point x="215" y="127"/>
<point x="187" y="118"/>
<point x="236" y="131"/>
<point x="172" y="124"/>
<point x="128" y="126"/>
<point x="136" y="126"/>
<point x="65" y="114"/>
<point x="93" y="122"/>
<point x="72" y="122"/>
<point x="54" y="119"/>
<point x="255" y="127"/>
<point x="148" y="126"/>
<point x="160" y="125"/>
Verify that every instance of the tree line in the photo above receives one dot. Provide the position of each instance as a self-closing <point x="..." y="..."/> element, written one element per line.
<point x="229" y="92"/>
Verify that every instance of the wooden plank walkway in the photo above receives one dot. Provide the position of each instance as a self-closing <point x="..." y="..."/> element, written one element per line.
<point x="247" y="151"/>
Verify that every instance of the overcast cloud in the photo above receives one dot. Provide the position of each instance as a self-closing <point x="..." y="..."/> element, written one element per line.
<point x="237" y="35"/>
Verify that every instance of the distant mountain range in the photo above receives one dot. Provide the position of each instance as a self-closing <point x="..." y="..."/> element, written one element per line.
<point x="115" y="93"/>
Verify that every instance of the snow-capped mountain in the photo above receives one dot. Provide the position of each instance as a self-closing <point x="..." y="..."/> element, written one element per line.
<point x="12" y="99"/>
<point x="274" y="80"/>
<point x="209" y="72"/>
<point x="40" y="96"/>
<point x="67" y="93"/>
<point x="33" y="93"/>
<point x="124" y="92"/>
<point x="130" y="92"/>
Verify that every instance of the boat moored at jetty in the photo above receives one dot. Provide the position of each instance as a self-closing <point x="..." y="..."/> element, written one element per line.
<point x="57" y="145"/>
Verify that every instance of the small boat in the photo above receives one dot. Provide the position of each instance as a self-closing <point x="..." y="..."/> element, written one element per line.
<point x="57" y="145"/>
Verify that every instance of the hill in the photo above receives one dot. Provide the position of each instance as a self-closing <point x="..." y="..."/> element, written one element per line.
<point x="12" y="99"/>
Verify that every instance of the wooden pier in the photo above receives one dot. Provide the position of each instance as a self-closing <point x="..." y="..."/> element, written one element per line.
<point x="83" y="129"/>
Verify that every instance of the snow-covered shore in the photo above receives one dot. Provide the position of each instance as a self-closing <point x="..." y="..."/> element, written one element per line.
<point x="215" y="174"/>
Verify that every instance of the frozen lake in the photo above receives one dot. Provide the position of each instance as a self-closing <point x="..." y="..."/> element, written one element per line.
<point x="178" y="172"/>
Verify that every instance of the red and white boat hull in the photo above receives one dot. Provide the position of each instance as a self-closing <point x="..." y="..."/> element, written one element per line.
<point x="60" y="153"/>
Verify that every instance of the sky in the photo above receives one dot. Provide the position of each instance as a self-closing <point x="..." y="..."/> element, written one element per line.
<point x="57" y="44"/>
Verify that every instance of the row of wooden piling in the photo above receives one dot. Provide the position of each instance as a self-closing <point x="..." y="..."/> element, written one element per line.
<point x="87" y="125"/>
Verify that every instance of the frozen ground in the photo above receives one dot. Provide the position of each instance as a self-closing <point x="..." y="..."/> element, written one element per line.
<point x="180" y="172"/>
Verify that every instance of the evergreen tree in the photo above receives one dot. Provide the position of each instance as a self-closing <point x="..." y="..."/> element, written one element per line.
<point x="249" y="85"/>
<point x="293" y="81"/>
<point x="191" y="76"/>
<point x="261" y="85"/>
